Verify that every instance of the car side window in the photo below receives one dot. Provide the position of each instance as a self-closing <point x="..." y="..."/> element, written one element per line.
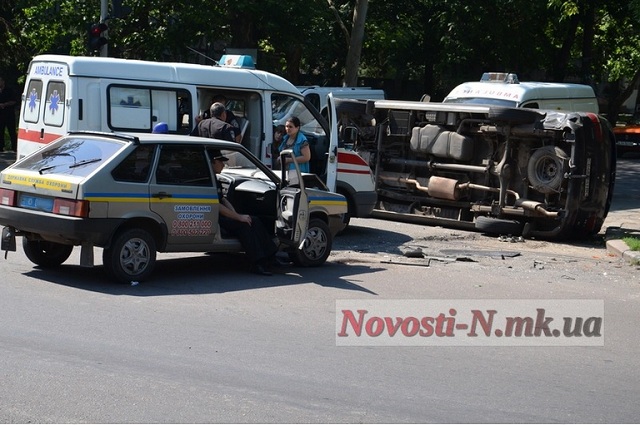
<point x="183" y="166"/>
<point x="135" y="167"/>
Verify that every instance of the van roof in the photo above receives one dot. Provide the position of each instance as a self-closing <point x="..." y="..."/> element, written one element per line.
<point x="170" y="72"/>
<point x="521" y="92"/>
<point x="334" y="89"/>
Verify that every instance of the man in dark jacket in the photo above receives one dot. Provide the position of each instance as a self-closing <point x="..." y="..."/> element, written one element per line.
<point x="216" y="127"/>
<point x="7" y="115"/>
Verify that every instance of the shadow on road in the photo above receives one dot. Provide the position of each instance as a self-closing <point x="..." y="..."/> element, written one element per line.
<point x="204" y="274"/>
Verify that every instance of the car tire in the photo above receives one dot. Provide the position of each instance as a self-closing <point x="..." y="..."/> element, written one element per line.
<point x="546" y="169"/>
<point x="316" y="247"/>
<point x="498" y="226"/>
<point x="45" y="253"/>
<point x="131" y="256"/>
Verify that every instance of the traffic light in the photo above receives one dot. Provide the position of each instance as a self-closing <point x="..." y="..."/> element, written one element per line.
<point x="96" y="40"/>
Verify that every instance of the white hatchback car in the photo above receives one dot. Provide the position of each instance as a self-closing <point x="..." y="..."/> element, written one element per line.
<point x="138" y="195"/>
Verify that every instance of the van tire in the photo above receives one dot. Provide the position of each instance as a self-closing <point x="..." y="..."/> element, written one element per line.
<point x="131" y="256"/>
<point x="498" y="226"/>
<point x="515" y="116"/>
<point x="546" y="169"/>
<point x="46" y="254"/>
<point x="316" y="247"/>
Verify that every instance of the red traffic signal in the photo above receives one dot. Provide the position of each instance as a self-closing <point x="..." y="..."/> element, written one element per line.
<point x="96" y="40"/>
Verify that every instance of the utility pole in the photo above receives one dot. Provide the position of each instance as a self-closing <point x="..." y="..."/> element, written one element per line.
<point x="104" y="10"/>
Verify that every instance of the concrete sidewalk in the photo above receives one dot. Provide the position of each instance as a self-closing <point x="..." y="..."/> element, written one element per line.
<point x="621" y="222"/>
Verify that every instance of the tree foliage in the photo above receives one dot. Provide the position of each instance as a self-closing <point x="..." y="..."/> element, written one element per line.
<point x="409" y="46"/>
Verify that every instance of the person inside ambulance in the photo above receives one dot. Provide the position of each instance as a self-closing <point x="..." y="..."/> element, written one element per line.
<point x="230" y="116"/>
<point x="216" y="127"/>
<point x="254" y="238"/>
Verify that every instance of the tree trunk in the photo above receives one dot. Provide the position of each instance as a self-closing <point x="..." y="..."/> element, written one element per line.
<point x="355" y="44"/>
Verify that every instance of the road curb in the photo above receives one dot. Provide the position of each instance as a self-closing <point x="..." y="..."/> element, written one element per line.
<point x="615" y="245"/>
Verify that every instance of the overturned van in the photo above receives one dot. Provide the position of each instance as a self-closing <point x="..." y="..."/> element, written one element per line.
<point x="545" y="174"/>
<point x="505" y="89"/>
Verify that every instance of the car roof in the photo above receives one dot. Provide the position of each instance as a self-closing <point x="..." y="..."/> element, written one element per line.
<point x="148" y="138"/>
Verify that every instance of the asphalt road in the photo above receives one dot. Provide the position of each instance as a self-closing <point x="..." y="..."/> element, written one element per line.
<point x="204" y="341"/>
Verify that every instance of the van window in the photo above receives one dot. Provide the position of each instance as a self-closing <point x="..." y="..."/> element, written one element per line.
<point x="314" y="98"/>
<point x="31" y="111"/>
<point x="55" y="104"/>
<point x="134" y="108"/>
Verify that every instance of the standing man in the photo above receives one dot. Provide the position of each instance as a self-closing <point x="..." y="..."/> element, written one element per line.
<point x="216" y="127"/>
<point x="7" y="115"/>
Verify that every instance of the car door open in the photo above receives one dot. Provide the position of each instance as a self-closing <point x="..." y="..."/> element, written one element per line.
<point x="293" y="205"/>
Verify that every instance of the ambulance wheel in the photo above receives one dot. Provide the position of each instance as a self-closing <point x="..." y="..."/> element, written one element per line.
<point x="515" y="116"/>
<point x="131" y="256"/>
<point x="498" y="226"/>
<point x="316" y="247"/>
<point x="46" y="254"/>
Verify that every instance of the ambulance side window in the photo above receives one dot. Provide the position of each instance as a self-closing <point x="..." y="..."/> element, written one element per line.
<point x="32" y="103"/>
<point x="136" y="108"/>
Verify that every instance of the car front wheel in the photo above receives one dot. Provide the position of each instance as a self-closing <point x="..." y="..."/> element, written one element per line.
<point x="131" y="256"/>
<point x="316" y="247"/>
<point x="46" y="254"/>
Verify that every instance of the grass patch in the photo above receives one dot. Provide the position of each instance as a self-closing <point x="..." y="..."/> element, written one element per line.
<point x="633" y="242"/>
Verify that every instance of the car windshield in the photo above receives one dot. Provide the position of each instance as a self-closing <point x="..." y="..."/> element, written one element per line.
<point x="78" y="156"/>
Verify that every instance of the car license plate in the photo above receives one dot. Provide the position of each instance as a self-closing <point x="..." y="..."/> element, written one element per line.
<point x="626" y="143"/>
<point x="36" y="203"/>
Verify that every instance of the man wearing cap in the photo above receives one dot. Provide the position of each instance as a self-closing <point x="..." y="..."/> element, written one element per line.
<point x="253" y="236"/>
<point x="216" y="127"/>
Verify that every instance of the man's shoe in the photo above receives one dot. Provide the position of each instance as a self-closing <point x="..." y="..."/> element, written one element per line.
<point x="276" y="261"/>
<point x="261" y="270"/>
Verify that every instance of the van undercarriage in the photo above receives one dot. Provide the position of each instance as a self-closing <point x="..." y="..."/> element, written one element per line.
<point x="543" y="174"/>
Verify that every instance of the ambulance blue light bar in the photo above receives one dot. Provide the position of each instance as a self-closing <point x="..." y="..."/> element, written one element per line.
<point x="237" y="61"/>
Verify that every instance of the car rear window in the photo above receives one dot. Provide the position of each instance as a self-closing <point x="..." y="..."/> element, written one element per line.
<point x="78" y="156"/>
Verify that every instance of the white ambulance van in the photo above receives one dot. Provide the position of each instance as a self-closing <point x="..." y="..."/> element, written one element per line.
<point x="317" y="95"/>
<point x="67" y="93"/>
<point x="505" y="89"/>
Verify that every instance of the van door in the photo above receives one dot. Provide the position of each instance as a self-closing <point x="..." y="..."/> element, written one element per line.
<point x="332" y="160"/>
<point x="45" y="106"/>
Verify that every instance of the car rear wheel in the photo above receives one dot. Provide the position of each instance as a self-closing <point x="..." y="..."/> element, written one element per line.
<point x="131" y="256"/>
<point x="316" y="247"/>
<point x="46" y="254"/>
